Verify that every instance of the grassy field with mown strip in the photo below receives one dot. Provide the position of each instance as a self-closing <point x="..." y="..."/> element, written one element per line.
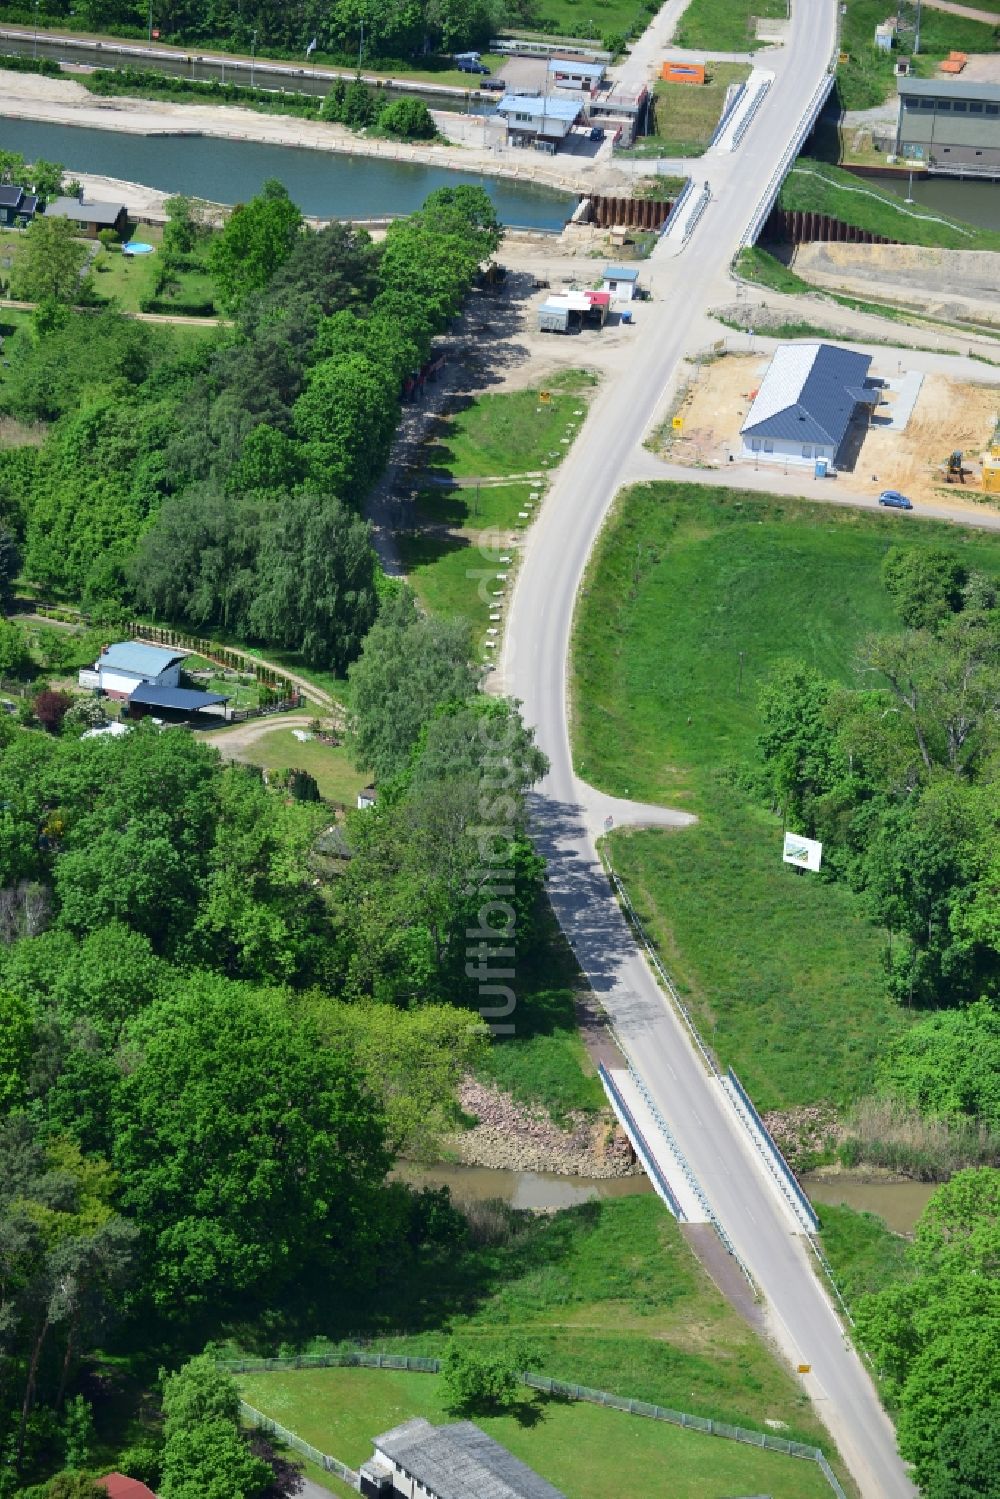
<point x="510" y="433"/>
<point x="725" y="25"/>
<point x="692" y="597"/>
<point x="587" y="1452"/>
<point x="608" y="1295"/>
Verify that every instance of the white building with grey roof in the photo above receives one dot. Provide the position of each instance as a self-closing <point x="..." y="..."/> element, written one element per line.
<point x="806" y="402"/>
<point x="457" y="1461"/>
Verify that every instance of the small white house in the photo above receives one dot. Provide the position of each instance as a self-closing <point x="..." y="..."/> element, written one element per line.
<point x="805" y="405"/>
<point x="576" y="72"/>
<point x="621" y="281"/>
<point x="123" y="667"/>
<point x="367" y="797"/>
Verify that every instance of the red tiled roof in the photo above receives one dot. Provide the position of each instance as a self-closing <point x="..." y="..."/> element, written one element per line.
<point x="117" y="1486"/>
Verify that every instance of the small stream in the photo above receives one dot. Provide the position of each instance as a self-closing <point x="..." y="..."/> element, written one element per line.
<point x="522" y="1189"/>
<point x="899" y="1204"/>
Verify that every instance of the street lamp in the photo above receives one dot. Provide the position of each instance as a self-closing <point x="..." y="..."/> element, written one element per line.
<point x="34" y="45"/>
<point x="253" y="56"/>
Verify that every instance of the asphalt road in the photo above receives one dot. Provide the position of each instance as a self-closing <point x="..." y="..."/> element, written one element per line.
<point x="569" y="815"/>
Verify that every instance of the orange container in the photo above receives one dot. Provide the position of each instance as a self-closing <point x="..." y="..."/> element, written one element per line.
<point x="682" y="72"/>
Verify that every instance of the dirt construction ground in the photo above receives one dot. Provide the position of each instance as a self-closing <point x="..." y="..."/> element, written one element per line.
<point x="947" y="415"/>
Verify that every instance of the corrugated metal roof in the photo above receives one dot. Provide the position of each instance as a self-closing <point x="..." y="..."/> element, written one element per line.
<point x="461" y="1462"/>
<point x="576" y="69"/>
<point x="808" y="394"/>
<point x="183" y="698"/>
<point x="941" y="88"/>
<point x="137" y="659"/>
<point x="542" y="106"/>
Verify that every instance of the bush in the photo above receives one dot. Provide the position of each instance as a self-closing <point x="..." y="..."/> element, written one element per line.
<point x="50" y="708"/>
<point x="408" y="119"/>
<point x="478" y="1380"/>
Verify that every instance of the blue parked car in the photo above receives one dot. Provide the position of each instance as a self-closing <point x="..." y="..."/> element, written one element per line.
<point x="895" y="500"/>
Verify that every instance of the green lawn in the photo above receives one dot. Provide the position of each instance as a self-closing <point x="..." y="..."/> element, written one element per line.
<point x="129" y="280"/>
<point x="514" y="432"/>
<point x="817" y="186"/>
<point x="686" y="114"/>
<point x="590" y="20"/>
<point x="332" y="766"/>
<point x="783" y="971"/>
<point x="725" y="25"/>
<point x="589" y="1453"/>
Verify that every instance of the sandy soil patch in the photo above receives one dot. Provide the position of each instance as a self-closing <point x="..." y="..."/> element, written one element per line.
<point x="948" y="414"/>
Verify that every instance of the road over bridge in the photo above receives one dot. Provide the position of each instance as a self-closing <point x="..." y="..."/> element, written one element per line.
<point x="569" y="815"/>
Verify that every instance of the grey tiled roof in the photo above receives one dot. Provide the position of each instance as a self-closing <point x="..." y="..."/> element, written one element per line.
<point x="809" y="394"/>
<point x="461" y="1462"/>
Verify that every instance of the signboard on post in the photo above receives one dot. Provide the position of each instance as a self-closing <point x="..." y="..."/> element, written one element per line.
<point x="678" y="424"/>
<point x="804" y="853"/>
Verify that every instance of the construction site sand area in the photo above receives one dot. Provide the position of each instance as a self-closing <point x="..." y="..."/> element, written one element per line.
<point x="948" y="414"/>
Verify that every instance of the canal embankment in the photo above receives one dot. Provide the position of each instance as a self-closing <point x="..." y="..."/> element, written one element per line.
<point x="33" y="98"/>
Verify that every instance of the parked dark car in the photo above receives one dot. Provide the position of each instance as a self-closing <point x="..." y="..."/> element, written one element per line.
<point x="468" y="65"/>
<point x="597" y="134"/>
<point x="493" y="83"/>
<point x="895" y="500"/>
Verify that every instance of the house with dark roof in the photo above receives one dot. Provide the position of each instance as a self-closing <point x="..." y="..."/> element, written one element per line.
<point x="17" y="207"/>
<point x="174" y="704"/>
<point x="458" y="1461"/>
<point x="90" y="217"/>
<point x="128" y="664"/>
<point x="805" y="405"/>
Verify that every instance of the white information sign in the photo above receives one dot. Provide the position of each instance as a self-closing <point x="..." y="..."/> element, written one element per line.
<point x="805" y="853"/>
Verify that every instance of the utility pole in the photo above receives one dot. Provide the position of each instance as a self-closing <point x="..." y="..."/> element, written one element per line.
<point x="361" y="43"/>
<point x="34" y="45"/>
<point x="253" y="56"/>
<point x="150" y="21"/>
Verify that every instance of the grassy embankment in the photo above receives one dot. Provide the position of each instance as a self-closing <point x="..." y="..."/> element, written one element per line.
<point x="608" y="1295"/>
<point x="685" y="114"/>
<point x="692" y="597"/>
<point x="868" y="79"/>
<point x="822" y="188"/>
<point x="457" y="524"/>
<point x="726" y="25"/>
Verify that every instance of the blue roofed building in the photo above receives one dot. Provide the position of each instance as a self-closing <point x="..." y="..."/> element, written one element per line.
<point x="622" y="281"/>
<point x="806" y="404"/>
<point x="538" y="120"/>
<point x="123" y="667"/>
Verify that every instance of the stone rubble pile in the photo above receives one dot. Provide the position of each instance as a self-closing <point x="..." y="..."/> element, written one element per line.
<point x="511" y="1136"/>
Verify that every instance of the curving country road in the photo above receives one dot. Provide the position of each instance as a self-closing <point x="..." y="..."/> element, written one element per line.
<point x="569" y="815"/>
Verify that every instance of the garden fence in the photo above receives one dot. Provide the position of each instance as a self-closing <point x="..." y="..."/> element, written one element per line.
<point x="322" y="1460"/>
<point x="358" y="1357"/>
